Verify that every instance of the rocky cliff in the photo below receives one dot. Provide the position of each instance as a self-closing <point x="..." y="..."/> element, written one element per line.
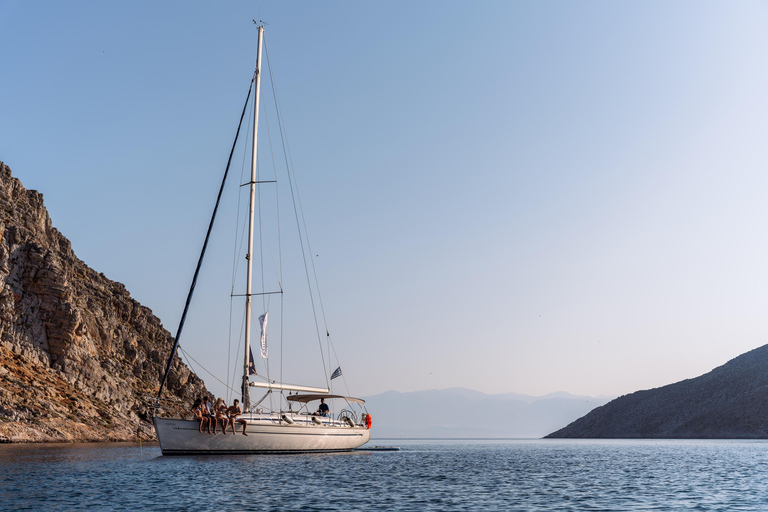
<point x="730" y="402"/>
<point x="78" y="355"/>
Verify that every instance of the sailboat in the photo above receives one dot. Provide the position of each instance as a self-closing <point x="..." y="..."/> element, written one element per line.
<point x="292" y="426"/>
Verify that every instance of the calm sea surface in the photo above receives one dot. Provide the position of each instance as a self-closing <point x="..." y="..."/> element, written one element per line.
<point x="535" y="475"/>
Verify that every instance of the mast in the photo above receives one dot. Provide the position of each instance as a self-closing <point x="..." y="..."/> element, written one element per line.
<point x="246" y="396"/>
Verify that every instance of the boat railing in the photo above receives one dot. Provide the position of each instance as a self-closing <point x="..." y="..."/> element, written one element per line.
<point x="303" y="419"/>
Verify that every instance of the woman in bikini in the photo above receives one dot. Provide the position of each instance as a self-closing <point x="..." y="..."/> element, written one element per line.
<point x="197" y="411"/>
<point x="205" y="407"/>
<point x="220" y="410"/>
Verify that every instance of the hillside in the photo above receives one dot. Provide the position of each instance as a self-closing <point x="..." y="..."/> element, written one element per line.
<point x="78" y="355"/>
<point x="730" y="402"/>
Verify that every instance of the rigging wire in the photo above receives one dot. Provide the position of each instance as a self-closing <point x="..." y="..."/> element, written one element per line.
<point x="235" y="268"/>
<point x="187" y="356"/>
<point x="294" y="197"/>
<point x="202" y="252"/>
<point x="291" y="170"/>
<point x="237" y="354"/>
<point x="278" y="274"/>
<point x="331" y="347"/>
<point x="235" y="261"/>
<point x="264" y="298"/>
<point x="261" y="255"/>
<point x="343" y="378"/>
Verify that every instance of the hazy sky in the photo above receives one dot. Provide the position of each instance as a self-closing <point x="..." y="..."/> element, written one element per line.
<point x="507" y="196"/>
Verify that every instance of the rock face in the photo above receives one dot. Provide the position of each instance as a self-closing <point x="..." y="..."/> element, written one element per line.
<point x="730" y="402"/>
<point x="78" y="355"/>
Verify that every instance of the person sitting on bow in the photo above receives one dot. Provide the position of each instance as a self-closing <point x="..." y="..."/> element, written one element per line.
<point x="234" y="412"/>
<point x="220" y="415"/>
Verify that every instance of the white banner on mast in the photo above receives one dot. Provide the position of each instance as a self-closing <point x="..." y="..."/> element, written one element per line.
<point x="263" y="323"/>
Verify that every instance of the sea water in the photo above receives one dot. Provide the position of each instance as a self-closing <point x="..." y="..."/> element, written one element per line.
<point x="433" y="475"/>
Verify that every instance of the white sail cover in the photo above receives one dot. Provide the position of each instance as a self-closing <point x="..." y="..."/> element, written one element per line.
<point x="263" y="323"/>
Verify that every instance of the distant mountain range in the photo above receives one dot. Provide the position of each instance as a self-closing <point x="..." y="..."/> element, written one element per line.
<point x="730" y="402"/>
<point x="460" y="412"/>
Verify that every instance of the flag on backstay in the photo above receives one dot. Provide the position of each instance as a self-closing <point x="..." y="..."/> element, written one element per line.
<point x="336" y="373"/>
<point x="251" y="363"/>
<point x="263" y="323"/>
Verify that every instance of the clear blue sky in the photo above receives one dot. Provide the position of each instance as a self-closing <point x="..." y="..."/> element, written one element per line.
<point x="507" y="196"/>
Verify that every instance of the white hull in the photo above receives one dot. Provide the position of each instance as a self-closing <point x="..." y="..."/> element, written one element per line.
<point x="265" y="435"/>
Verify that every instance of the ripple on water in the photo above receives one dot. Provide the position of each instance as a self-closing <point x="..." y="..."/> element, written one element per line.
<point x="514" y="475"/>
